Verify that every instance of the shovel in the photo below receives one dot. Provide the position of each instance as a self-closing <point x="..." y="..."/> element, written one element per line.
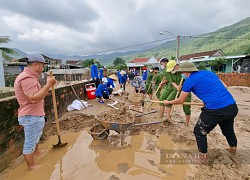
<point x="185" y="103"/>
<point x="59" y="144"/>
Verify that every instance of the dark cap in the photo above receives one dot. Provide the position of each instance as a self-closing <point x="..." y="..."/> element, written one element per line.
<point x="36" y="58"/>
<point x="131" y="76"/>
<point x="164" y="60"/>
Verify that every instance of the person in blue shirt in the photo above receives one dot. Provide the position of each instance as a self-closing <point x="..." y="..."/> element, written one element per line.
<point x="102" y="92"/>
<point x="219" y="105"/>
<point x="118" y="75"/>
<point x="135" y="71"/>
<point x="94" y="73"/>
<point x="123" y="79"/>
<point x="111" y="85"/>
<point x="144" y="74"/>
<point x="101" y="73"/>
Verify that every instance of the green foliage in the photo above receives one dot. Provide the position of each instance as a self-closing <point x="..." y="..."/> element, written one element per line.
<point x="217" y="63"/>
<point x="4" y="39"/>
<point x="89" y="62"/>
<point x="202" y="66"/>
<point x="121" y="66"/>
<point x="9" y="80"/>
<point x="119" y="61"/>
<point x="172" y="58"/>
<point x="233" y="40"/>
<point x="247" y="52"/>
<point x="6" y="51"/>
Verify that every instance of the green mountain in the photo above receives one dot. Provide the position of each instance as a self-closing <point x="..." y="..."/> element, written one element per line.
<point x="233" y="40"/>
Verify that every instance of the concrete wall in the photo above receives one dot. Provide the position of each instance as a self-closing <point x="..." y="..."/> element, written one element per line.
<point x="229" y="68"/>
<point x="11" y="134"/>
<point x="235" y="79"/>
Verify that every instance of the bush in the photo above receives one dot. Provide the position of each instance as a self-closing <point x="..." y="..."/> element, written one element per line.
<point x="217" y="64"/>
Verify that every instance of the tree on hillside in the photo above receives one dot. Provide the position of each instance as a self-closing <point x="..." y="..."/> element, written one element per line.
<point x="202" y="66"/>
<point x="172" y="58"/>
<point x="89" y="62"/>
<point x="6" y="51"/>
<point x="247" y="52"/>
<point x="217" y="64"/>
<point x="119" y="61"/>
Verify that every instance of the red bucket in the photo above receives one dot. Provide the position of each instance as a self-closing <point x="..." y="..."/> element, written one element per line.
<point x="90" y="89"/>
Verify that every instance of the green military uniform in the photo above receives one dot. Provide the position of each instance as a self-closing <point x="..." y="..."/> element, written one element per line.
<point x="168" y="88"/>
<point x="157" y="81"/>
<point x="176" y="77"/>
<point x="148" y="82"/>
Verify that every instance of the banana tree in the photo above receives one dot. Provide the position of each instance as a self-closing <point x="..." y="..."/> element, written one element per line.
<point x="6" y="51"/>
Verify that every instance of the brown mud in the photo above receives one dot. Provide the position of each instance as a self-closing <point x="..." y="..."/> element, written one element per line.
<point x="140" y="157"/>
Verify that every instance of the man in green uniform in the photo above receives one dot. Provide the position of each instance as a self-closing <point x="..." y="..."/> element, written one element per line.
<point x="174" y="85"/>
<point x="156" y="82"/>
<point x="149" y="81"/>
<point x="165" y="92"/>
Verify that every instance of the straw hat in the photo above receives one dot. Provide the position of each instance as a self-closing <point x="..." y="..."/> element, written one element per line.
<point x="123" y="72"/>
<point x="104" y="80"/>
<point x="187" y="67"/>
<point x="113" y="77"/>
<point x="170" y="65"/>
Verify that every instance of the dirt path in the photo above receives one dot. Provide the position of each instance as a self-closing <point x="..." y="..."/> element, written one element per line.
<point x="107" y="159"/>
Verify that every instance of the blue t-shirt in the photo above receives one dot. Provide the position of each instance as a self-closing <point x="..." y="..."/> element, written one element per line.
<point x="101" y="73"/>
<point x="208" y="87"/>
<point x="145" y="75"/>
<point x="110" y="83"/>
<point x="100" y="89"/>
<point x="94" y="71"/>
<point x="123" y="79"/>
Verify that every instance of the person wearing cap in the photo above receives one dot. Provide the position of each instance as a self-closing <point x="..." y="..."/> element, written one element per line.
<point x="149" y="80"/>
<point x="173" y="87"/>
<point x="102" y="91"/>
<point x="94" y="73"/>
<point x="137" y="82"/>
<point x="219" y="105"/>
<point x="123" y="79"/>
<point x="101" y="72"/>
<point x="144" y="74"/>
<point x="111" y="85"/>
<point x="30" y="96"/>
<point x="166" y="90"/>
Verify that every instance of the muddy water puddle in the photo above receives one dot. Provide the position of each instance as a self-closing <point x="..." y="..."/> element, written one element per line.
<point x="84" y="158"/>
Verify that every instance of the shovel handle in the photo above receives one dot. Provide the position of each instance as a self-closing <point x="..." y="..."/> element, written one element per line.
<point x="185" y="103"/>
<point x="55" y="105"/>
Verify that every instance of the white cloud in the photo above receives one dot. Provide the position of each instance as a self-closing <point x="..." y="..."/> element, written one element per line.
<point x="82" y="26"/>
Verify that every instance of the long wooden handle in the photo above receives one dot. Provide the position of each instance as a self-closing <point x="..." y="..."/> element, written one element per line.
<point x="149" y="86"/>
<point x="55" y="105"/>
<point x="163" y="79"/>
<point x="185" y="103"/>
<point x="178" y="92"/>
<point x="176" y="96"/>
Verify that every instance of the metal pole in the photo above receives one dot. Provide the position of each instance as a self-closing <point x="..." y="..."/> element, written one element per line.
<point x="178" y="48"/>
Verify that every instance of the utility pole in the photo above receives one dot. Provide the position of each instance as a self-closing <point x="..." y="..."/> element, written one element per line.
<point x="178" y="48"/>
<point x="177" y="45"/>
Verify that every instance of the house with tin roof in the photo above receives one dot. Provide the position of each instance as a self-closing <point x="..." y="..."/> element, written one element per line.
<point x="233" y="63"/>
<point x="200" y="55"/>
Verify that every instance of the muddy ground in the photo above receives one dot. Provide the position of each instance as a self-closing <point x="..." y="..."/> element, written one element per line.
<point x="221" y="165"/>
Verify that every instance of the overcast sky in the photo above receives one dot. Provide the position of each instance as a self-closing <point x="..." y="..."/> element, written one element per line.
<point x="84" y="26"/>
